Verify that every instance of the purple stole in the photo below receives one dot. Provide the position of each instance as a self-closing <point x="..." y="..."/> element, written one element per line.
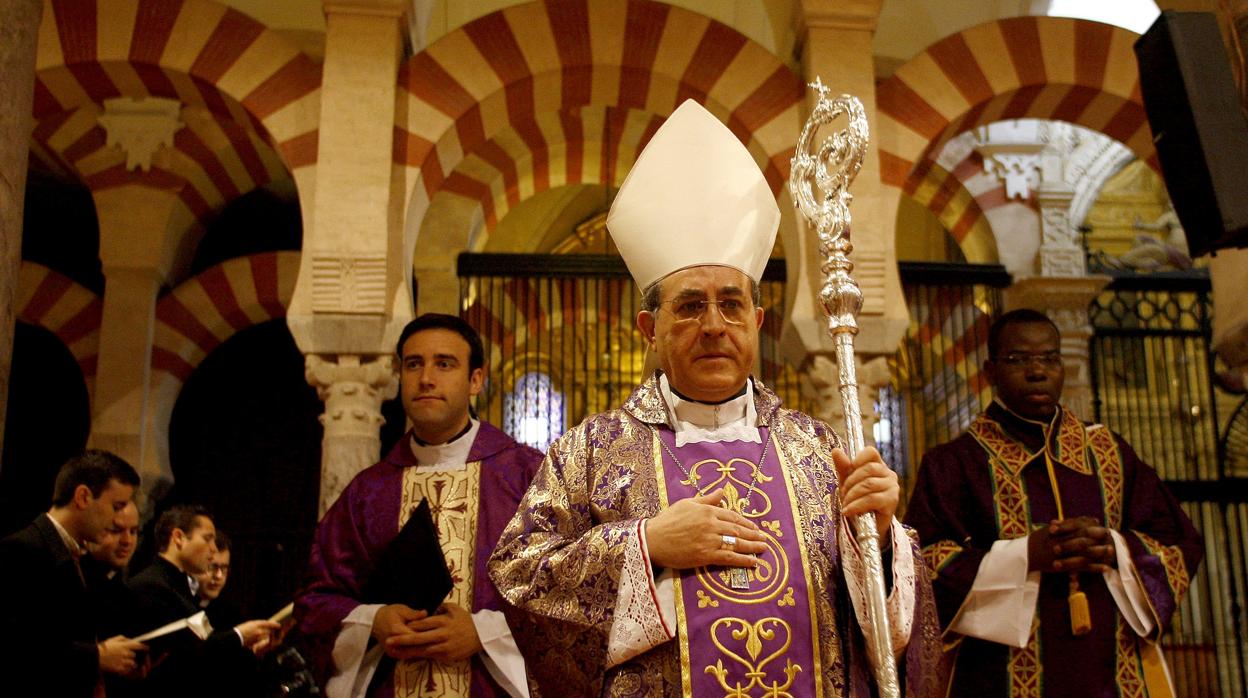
<point x="744" y="642"/>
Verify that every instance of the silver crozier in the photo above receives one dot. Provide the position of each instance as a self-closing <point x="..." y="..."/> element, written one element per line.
<point x="829" y="166"/>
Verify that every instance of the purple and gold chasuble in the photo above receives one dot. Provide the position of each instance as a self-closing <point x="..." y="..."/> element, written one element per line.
<point x="992" y="484"/>
<point x="471" y="508"/>
<point x="581" y="597"/>
<point x="757" y="640"/>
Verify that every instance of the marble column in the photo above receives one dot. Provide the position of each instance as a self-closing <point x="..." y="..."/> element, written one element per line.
<point x="836" y="45"/>
<point x="353" y="296"/>
<point x="19" y="32"/>
<point x="353" y="392"/>
<point x="133" y="222"/>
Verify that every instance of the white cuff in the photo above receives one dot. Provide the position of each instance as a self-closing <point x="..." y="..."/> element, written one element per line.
<point x="354" y="662"/>
<point x="1001" y="604"/>
<point x="501" y="656"/>
<point x="1127" y="591"/>
<point x="640" y="621"/>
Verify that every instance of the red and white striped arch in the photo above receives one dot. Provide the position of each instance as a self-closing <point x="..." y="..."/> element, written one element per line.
<point x="590" y="144"/>
<point x="200" y="52"/>
<point x="53" y="301"/>
<point x="1024" y="67"/>
<point x="212" y="161"/>
<point x="204" y="311"/>
<point x="960" y="210"/>
<point x="500" y="106"/>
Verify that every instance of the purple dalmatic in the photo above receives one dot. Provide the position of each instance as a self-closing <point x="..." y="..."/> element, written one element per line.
<point x="364" y="520"/>
<point x="745" y="632"/>
<point x="991" y="484"/>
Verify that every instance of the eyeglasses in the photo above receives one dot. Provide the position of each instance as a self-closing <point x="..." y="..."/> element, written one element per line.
<point x="218" y="569"/>
<point x="734" y="311"/>
<point x="1048" y="360"/>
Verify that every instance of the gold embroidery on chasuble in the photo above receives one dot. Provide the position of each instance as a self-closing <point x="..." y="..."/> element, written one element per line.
<point x="1085" y="451"/>
<point x="1006" y="458"/>
<point x="752" y="654"/>
<point x="453" y="497"/>
<point x="939" y="554"/>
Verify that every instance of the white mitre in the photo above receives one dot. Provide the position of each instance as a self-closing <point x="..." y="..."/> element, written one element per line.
<point x="694" y="197"/>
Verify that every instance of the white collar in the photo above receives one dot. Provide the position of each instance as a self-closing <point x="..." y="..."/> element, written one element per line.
<point x="696" y="422"/>
<point x="452" y="455"/>
<point x="193" y="583"/>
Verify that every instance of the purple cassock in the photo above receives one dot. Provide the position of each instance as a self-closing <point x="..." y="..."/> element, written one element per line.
<point x="992" y="484"/>
<point x="365" y="518"/>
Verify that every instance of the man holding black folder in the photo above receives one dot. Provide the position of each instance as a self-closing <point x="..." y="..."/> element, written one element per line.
<point x="398" y="601"/>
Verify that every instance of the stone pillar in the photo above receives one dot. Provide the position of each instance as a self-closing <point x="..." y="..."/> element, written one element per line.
<point x="1065" y="300"/>
<point x="1061" y="252"/>
<point x="133" y="222"/>
<point x="836" y="38"/>
<point x="353" y="393"/>
<point x="19" y="32"/>
<point x="836" y="45"/>
<point x="351" y="298"/>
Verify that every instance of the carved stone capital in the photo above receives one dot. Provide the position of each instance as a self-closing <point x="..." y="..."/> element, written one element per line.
<point x="140" y="126"/>
<point x="1017" y="166"/>
<point x="352" y="391"/>
<point x="821" y="384"/>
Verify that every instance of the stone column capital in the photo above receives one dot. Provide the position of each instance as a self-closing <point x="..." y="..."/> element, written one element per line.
<point x="1052" y="293"/>
<point x="822" y="385"/>
<point x="851" y="15"/>
<point x="376" y="373"/>
<point x="352" y="388"/>
<point x="140" y="126"/>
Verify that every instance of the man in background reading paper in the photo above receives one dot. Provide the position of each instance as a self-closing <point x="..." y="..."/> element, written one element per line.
<point x="166" y="592"/>
<point x="473" y="476"/>
<point x="50" y="640"/>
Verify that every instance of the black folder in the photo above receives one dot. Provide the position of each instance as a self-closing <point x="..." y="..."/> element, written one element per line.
<point x="412" y="569"/>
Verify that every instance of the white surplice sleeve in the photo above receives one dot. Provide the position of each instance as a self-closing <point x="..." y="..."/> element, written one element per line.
<point x="500" y="654"/>
<point x="1002" y="601"/>
<point x="354" y="661"/>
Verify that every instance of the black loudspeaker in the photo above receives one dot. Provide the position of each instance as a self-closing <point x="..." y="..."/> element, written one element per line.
<point x="1198" y="126"/>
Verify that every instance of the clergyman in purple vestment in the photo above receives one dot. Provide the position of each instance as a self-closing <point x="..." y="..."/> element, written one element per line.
<point x="473" y="477"/>
<point x="696" y="541"/>
<point x="1060" y="555"/>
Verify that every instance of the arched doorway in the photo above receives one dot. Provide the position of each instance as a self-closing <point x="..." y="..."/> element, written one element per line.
<point x="244" y="441"/>
<point x="48" y="419"/>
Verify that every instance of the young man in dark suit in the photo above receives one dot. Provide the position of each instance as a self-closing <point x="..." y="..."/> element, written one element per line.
<point x="166" y="592"/>
<point x="51" y="644"/>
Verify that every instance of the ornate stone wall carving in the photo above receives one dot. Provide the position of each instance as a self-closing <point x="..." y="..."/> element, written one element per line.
<point x="348" y="284"/>
<point x="140" y="127"/>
